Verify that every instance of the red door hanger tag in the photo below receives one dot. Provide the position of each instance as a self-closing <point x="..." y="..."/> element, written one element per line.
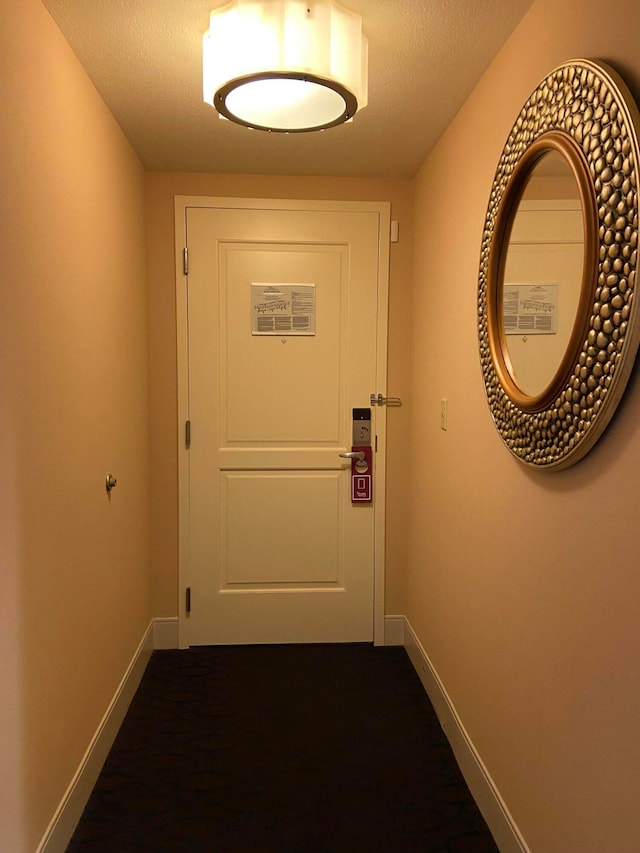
<point x="361" y="479"/>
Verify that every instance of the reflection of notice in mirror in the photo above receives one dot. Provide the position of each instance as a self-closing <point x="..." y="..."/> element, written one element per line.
<point x="530" y="309"/>
<point x="283" y="309"/>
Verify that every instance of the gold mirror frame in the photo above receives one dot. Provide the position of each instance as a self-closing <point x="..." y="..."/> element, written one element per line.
<point x="584" y="111"/>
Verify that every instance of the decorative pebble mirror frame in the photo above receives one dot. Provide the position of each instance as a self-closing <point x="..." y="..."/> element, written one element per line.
<point x="583" y="110"/>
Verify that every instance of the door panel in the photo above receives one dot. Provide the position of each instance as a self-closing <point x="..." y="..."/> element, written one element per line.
<point x="277" y="552"/>
<point x="261" y="501"/>
<point x="259" y="373"/>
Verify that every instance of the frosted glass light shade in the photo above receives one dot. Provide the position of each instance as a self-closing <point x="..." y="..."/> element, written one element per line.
<point x="285" y="65"/>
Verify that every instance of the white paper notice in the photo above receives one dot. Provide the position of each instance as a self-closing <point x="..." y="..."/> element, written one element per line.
<point x="283" y="309"/>
<point x="530" y="309"/>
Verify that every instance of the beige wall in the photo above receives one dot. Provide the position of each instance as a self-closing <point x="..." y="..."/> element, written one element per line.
<point x="161" y="189"/>
<point x="74" y="565"/>
<point x="523" y="587"/>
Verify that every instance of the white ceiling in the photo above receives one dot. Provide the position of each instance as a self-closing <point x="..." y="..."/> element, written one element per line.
<point x="425" y="57"/>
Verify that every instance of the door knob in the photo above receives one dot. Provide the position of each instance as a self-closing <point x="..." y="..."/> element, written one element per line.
<point x="353" y="454"/>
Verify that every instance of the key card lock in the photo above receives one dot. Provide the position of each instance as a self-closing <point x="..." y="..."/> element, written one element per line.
<point x="361" y="435"/>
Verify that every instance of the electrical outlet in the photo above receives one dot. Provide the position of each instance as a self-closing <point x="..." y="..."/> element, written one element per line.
<point x="443" y="414"/>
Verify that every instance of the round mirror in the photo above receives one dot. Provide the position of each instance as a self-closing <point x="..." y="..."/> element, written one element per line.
<point x="541" y="273"/>
<point x="557" y="321"/>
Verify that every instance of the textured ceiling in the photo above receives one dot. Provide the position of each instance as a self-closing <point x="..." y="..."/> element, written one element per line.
<point x="425" y="56"/>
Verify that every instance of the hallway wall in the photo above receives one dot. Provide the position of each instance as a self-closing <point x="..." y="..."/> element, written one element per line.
<point x="523" y="586"/>
<point x="160" y="189"/>
<point x="74" y="566"/>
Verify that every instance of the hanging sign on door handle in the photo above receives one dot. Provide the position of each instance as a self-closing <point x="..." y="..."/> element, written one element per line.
<point x="361" y="480"/>
<point x="361" y="458"/>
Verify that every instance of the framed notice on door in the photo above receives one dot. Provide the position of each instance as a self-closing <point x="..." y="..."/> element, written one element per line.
<point x="283" y="309"/>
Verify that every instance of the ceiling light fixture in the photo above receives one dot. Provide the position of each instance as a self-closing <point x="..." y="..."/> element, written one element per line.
<point x="287" y="66"/>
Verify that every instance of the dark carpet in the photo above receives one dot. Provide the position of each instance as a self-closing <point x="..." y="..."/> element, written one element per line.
<point x="316" y="749"/>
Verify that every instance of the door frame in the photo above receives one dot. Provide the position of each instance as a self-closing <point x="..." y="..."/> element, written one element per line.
<point x="383" y="209"/>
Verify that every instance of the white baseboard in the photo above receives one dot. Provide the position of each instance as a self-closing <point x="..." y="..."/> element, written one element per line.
<point x="494" y="810"/>
<point x="165" y="633"/>
<point x="69" y="812"/>
<point x="394" y="630"/>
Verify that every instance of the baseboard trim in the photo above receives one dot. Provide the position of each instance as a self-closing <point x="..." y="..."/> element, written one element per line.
<point x="69" y="812"/>
<point x="494" y="810"/>
<point x="165" y="633"/>
<point x="394" y="630"/>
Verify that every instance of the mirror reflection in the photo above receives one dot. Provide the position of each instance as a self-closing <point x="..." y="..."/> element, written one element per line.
<point x="543" y="270"/>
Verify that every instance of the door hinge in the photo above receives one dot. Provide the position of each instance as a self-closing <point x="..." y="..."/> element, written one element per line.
<point x="187" y="602"/>
<point x="376" y="445"/>
<point x="185" y="260"/>
<point x="187" y="434"/>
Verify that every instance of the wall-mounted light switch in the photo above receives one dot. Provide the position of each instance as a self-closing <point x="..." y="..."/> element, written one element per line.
<point x="443" y="414"/>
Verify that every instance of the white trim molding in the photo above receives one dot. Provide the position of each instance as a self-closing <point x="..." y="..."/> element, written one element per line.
<point x="69" y="812"/>
<point x="494" y="810"/>
<point x="182" y="204"/>
<point x="165" y="633"/>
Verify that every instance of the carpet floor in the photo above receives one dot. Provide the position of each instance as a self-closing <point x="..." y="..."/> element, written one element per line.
<point x="281" y="749"/>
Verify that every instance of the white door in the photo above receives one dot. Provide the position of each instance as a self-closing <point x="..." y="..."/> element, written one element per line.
<point x="285" y="310"/>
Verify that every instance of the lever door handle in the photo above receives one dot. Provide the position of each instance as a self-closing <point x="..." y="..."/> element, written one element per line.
<point x="353" y="454"/>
